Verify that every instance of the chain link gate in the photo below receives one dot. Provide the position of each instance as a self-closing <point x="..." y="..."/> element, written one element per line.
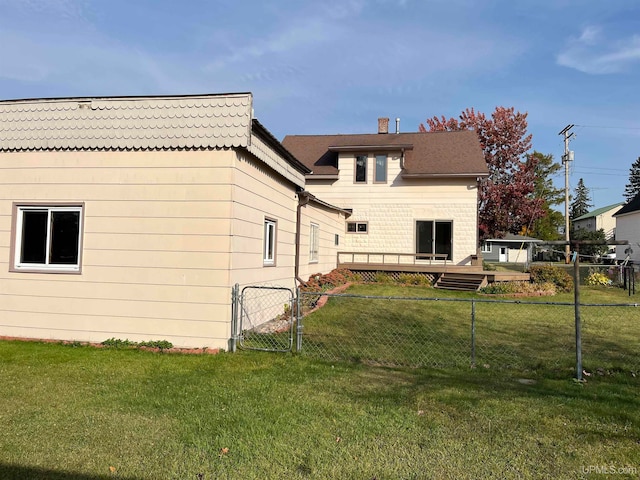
<point x="263" y="318"/>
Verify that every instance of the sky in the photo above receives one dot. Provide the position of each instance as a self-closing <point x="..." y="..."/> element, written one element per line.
<point x="335" y="66"/>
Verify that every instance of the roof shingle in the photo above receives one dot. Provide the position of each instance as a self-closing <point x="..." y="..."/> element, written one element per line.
<point x="123" y="123"/>
<point x="432" y="153"/>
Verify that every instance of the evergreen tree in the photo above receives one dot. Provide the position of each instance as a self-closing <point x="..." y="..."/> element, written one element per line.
<point x="633" y="187"/>
<point x="581" y="201"/>
<point x="547" y="226"/>
<point x="591" y="253"/>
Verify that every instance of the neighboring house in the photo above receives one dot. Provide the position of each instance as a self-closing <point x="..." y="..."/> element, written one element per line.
<point x="411" y="193"/>
<point x="511" y="248"/>
<point x="601" y="218"/>
<point x="628" y="228"/>
<point x="133" y="217"/>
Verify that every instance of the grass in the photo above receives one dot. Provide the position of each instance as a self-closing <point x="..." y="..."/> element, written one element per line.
<point x="529" y="335"/>
<point x="79" y="413"/>
<point x="70" y="412"/>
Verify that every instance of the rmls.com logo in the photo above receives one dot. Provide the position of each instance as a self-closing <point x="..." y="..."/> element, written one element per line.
<point x="609" y="470"/>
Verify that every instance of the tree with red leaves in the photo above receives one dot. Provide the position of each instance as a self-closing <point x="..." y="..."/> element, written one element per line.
<point x="507" y="203"/>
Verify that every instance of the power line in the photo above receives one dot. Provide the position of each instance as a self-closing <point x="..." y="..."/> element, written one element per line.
<point x="607" y="127"/>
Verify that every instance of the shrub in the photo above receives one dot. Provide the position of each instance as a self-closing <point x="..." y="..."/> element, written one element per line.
<point x="597" y="279"/>
<point x="526" y="288"/>
<point x="321" y="283"/>
<point x="381" y="277"/>
<point x="119" y="343"/>
<point x="413" y="279"/>
<point x="488" y="267"/>
<point x="552" y="274"/>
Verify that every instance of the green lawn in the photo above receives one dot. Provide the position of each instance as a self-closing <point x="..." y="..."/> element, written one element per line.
<point x="72" y="413"/>
<point x="382" y="325"/>
<point x="81" y="413"/>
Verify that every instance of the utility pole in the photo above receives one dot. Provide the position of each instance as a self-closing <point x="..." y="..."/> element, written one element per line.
<point x="566" y="158"/>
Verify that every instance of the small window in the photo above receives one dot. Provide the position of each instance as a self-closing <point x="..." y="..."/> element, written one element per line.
<point x="381" y="169"/>
<point x="48" y="238"/>
<point x="269" y="257"/>
<point x="361" y="169"/>
<point x="314" y="242"/>
<point x="486" y="247"/>
<point x="357" y="227"/>
<point x="337" y="240"/>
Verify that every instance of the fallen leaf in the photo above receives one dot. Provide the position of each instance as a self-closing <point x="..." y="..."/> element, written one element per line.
<point x="112" y="469"/>
<point x="420" y="413"/>
<point x="338" y="439"/>
<point x="224" y="451"/>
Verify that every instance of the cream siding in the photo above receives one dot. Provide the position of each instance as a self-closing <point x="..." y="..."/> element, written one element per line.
<point x="330" y="223"/>
<point x="391" y="209"/>
<point x="628" y="228"/>
<point x="156" y="246"/>
<point x="259" y="193"/>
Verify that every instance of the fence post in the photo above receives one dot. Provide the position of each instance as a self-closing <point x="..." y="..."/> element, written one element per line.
<point x="473" y="334"/>
<point x="235" y="300"/>
<point x="299" y="325"/>
<point x="576" y="302"/>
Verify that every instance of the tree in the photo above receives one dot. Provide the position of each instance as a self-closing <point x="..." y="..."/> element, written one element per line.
<point x="507" y="201"/>
<point x="581" y="201"/>
<point x="547" y="226"/>
<point x="594" y="252"/>
<point x="633" y="187"/>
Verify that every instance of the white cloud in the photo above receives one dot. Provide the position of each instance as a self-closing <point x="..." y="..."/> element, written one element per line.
<point x="593" y="53"/>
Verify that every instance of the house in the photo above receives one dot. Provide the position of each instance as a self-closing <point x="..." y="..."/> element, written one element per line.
<point x="511" y="248"/>
<point x="133" y="217"/>
<point x="601" y="218"/>
<point x="628" y="228"/>
<point x="408" y="193"/>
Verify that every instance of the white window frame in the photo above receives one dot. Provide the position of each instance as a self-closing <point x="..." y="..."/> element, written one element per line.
<point x="314" y="243"/>
<point x="486" y="247"/>
<point x="269" y="244"/>
<point x="19" y="266"/>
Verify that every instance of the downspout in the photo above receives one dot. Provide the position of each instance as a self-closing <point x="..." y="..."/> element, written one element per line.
<point x="303" y="199"/>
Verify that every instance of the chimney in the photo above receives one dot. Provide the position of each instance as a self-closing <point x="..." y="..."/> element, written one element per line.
<point x="383" y="125"/>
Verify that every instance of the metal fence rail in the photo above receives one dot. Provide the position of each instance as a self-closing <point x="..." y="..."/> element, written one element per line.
<point x="399" y="331"/>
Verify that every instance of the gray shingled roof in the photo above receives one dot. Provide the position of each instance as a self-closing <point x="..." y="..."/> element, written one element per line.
<point x="143" y="123"/>
<point x="433" y="153"/>
<point x="124" y="123"/>
<point x="632" y="206"/>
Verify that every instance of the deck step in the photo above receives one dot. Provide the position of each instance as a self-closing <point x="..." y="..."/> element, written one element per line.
<point x="471" y="282"/>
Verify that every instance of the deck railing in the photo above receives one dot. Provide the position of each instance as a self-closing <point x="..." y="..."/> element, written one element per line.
<point x="391" y="258"/>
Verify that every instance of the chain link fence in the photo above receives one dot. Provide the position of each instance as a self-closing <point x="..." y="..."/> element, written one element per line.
<point x="498" y="334"/>
<point x="263" y="318"/>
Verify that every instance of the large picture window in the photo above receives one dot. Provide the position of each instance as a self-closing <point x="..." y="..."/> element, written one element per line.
<point x="47" y="238"/>
<point x="434" y="237"/>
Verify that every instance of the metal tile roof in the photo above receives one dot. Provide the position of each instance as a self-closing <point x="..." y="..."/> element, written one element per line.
<point x="598" y="211"/>
<point x="126" y="123"/>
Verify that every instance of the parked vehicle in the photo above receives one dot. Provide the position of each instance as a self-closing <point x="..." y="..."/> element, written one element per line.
<point x="610" y="257"/>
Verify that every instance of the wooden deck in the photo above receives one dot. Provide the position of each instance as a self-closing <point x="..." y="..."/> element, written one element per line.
<point x="431" y="264"/>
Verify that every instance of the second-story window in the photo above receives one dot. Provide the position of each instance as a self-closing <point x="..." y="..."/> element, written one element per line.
<point x="361" y="169"/>
<point x="381" y="169"/>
